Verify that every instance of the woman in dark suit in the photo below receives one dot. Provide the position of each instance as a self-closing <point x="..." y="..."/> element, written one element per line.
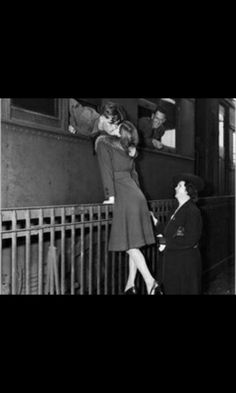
<point x="131" y="225"/>
<point x="180" y="238"/>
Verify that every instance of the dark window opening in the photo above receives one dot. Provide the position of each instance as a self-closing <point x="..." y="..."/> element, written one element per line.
<point x="221" y="147"/>
<point x="45" y="106"/>
<point x="90" y="102"/>
<point x="144" y="112"/>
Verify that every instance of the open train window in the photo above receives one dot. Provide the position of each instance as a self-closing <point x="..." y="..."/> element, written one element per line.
<point x="164" y="133"/>
<point x="49" y="114"/>
<point x="83" y="115"/>
<point x="226" y="147"/>
<point x="232" y="125"/>
<point x="45" y="106"/>
<point x="234" y="148"/>
<point x="90" y="102"/>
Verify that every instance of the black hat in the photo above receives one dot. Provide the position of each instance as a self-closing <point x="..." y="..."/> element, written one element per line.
<point x="189" y="177"/>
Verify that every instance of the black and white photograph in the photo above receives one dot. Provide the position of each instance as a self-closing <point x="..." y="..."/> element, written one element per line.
<point x="118" y="196"/>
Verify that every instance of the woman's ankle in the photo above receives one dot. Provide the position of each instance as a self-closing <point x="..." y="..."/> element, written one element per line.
<point x="150" y="285"/>
<point x="129" y="286"/>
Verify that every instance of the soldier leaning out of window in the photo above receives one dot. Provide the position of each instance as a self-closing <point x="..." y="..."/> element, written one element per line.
<point x="87" y="121"/>
<point x="152" y="129"/>
<point x="83" y="120"/>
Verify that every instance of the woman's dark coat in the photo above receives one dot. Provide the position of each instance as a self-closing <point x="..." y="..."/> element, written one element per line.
<point x="131" y="224"/>
<point x="182" y="259"/>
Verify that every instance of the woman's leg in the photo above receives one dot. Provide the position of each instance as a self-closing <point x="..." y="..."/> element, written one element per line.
<point x="132" y="274"/>
<point x="139" y="260"/>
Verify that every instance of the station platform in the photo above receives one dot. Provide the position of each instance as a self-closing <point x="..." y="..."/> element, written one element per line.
<point x="223" y="283"/>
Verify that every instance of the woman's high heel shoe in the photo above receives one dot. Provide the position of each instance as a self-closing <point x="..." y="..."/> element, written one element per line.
<point x="131" y="291"/>
<point x="156" y="289"/>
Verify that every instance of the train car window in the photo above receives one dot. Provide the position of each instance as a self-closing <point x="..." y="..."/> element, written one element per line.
<point x="83" y="116"/>
<point x="159" y="135"/>
<point x="221" y="147"/>
<point x="45" y="106"/>
<point x="90" y="102"/>
<point x="234" y="148"/>
<point x="48" y="114"/>
<point x="226" y="146"/>
<point x="221" y="131"/>
<point x="232" y="125"/>
<point x="232" y="118"/>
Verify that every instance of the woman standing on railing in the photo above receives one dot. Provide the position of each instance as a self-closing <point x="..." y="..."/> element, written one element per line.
<point x="131" y="225"/>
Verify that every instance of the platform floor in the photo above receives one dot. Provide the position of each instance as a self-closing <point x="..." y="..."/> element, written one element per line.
<point x="223" y="283"/>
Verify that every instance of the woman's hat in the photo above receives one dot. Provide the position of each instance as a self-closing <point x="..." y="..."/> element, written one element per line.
<point x="189" y="177"/>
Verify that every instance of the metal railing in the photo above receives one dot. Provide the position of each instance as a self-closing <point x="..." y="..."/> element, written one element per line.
<point x="63" y="250"/>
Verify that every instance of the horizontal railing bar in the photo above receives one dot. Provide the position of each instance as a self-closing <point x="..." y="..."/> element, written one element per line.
<point x="47" y="229"/>
<point x="21" y="214"/>
<point x="161" y="201"/>
<point x="39" y="227"/>
<point x="53" y="206"/>
<point x="36" y="212"/>
<point x="6" y="212"/>
<point x="78" y="224"/>
<point x="81" y="208"/>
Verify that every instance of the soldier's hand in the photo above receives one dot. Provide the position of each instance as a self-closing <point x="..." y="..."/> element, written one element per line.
<point x="71" y="129"/>
<point x="157" y="144"/>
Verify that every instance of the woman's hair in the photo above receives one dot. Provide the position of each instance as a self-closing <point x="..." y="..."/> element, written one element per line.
<point x="113" y="110"/>
<point x="128" y="135"/>
<point x="191" y="191"/>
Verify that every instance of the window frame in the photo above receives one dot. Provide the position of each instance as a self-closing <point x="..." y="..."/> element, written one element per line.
<point x="25" y="117"/>
<point x="151" y="105"/>
<point x="227" y="104"/>
<point x="94" y="103"/>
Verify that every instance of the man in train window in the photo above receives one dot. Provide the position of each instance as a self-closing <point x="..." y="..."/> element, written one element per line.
<point x="152" y="129"/>
<point x="157" y="128"/>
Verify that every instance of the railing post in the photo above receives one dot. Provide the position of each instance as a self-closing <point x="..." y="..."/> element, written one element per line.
<point x="72" y="263"/>
<point x="14" y="254"/>
<point x="1" y="253"/>
<point x="27" y="262"/>
<point x="40" y="254"/>
<point x="52" y="271"/>
<point x="63" y="251"/>
<point x="52" y="283"/>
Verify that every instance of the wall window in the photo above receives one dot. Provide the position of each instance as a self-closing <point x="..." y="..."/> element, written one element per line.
<point x="221" y="131"/>
<point x="45" y="106"/>
<point x="226" y="147"/>
<point x="221" y="148"/>
<point x="234" y="147"/>
<point x="157" y="129"/>
<point x="232" y="122"/>
<point x="90" y="102"/>
<point x="83" y="115"/>
<point x="49" y="114"/>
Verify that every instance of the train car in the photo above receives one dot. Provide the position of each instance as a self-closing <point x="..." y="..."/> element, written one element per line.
<point x="44" y="164"/>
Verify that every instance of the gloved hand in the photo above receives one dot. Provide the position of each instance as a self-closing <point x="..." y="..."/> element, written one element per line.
<point x="162" y="244"/>
<point x="111" y="201"/>
<point x="155" y="220"/>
